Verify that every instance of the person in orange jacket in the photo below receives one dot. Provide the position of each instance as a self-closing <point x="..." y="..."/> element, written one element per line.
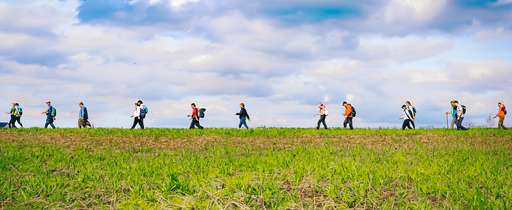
<point x="348" y="114"/>
<point x="502" y="112"/>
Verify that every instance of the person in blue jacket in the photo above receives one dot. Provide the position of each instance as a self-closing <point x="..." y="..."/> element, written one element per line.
<point x="243" y="116"/>
<point x="50" y="113"/>
<point x="83" y="116"/>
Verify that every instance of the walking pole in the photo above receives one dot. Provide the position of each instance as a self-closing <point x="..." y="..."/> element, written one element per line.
<point x="447" y="120"/>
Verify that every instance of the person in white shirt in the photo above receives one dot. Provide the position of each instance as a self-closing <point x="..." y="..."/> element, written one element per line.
<point x="407" y="116"/>
<point x="137" y="119"/>
<point x="323" y="114"/>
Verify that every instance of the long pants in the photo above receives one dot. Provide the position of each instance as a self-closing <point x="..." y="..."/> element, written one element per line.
<point x="138" y="120"/>
<point x="407" y="124"/>
<point x="459" y="124"/>
<point x="195" y="123"/>
<point x="501" y="123"/>
<point x="243" y="122"/>
<point x="83" y="123"/>
<point x="12" y="122"/>
<point x="348" y="121"/>
<point x="321" y="121"/>
<point x="49" y="122"/>
<point x="18" y="119"/>
<point x="453" y="122"/>
<point x="413" y="124"/>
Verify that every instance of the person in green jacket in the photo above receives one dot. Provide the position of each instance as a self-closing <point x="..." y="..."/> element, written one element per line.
<point x="14" y="113"/>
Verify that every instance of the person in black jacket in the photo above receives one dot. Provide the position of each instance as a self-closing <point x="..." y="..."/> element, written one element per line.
<point x="244" y="116"/>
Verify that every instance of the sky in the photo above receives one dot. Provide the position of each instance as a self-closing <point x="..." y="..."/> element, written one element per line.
<point x="281" y="57"/>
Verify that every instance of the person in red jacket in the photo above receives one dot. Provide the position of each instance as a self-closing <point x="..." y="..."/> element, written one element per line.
<point x="502" y="112"/>
<point x="195" y="117"/>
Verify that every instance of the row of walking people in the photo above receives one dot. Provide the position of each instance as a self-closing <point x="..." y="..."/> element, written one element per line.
<point x="457" y="113"/>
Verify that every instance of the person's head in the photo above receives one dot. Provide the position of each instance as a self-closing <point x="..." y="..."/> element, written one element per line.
<point x="49" y="103"/>
<point x="344" y="103"/>
<point x="193" y="105"/>
<point x="136" y="104"/>
<point x="499" y="104"/>
<point x="455" y="103"/>
<point x="408" y="103"/>
<point x="404" y="106"/>
<point x="17" y="104"/>
<point x="81" y="104"/>
<point x="140" y="102"/>
<point x="321" y="106"/>
<point x="242" y="105"/>
<point x="13" y="104"/>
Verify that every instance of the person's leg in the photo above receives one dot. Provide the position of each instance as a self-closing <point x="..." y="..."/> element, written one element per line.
<point x="141" y="123"/>
<point x="350" y="123"/>
<point x="199" y="124"/>
<point x="413" y="125"/>
<point x="79" y="123"/>
<point x="240" y="123"/>
<point x="18" y="119"/>
<point x="134" y="123"/>
<point x="51" y="123"/>
<point x="453" y="122"/>
<point x="404" y="124"/>
<point x="192" y="124"/>
<point x="318" y="123"/>
<point x="323" y="121"/>
<point x="245" y="124"/>
<point x="345" y="122"/>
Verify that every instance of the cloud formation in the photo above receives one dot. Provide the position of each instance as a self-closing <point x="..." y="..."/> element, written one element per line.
<point x="281" y="58"/>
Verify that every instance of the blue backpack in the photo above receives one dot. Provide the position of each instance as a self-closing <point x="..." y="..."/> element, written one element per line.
<point x="144" y="111"/>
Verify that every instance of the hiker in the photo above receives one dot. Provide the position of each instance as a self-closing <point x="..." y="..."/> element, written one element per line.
<point x="195" y="117"/>
<point x="243" y="116"/>
<point x="138" y="116"/>
<point x="144" y="109"/>
<point x="13" y="112"/>
<point x="413" y="111"/>
<point x="461" y="112"/>
<point x="407" y="116"/>
<point x="50" y="113"/>
<point x="323" y="114"/>
<point x="19" y="114"/>
<point x="349" y="114"/>
<point x="502" y="112"/>
<point x="453" y="113"/>
<point x="83" y="116"/>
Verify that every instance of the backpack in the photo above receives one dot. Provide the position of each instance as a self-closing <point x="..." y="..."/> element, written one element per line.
<point x="463" y="109"/>
<point x="53" y="112"/>
<point x="20" y="111"/>
<point x="144" y="111"/>
<point x="202" y="112"/>
<point x="353" y="111"/>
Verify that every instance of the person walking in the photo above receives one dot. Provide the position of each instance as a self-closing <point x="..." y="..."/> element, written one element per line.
<point x="83" y="116"/>
<point x="243" y="116"/>
<point x="195" y="117"/>
<point x="348" y="114"/>
<point x="502" y="112"/>
<point x="413" y="111"/>
<point x="453" y="105"/>
<point x="13" y="112"/>
<point x="51" y="114"/>
<point x="19" y="114"/>
<point x="323" y="114"/>
<point x="461" y="112"/>
<point x="407" y="116"/>
<point x="137" y="118"/>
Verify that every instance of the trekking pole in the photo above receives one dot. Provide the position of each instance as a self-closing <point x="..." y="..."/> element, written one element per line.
<point x="447" y="120"/>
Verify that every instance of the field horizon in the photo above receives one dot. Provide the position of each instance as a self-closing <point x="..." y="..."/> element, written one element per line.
<point x="262" y="168"/>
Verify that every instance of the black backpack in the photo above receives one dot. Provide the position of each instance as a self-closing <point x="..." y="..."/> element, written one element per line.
<point x="353" y="111"/>
<point x="202" y="112"/>
<point x="463" y="109"/>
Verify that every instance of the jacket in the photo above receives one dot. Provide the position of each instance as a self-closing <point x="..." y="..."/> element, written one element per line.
<point x="243" y="114"/>
<point x="501" y="112"/>
<point x="83" y="113"/>
<point x="348" y="111"/>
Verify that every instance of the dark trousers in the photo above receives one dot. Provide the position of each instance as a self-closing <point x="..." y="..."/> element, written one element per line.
<point x="243" y="122"/>
<point x="195" y="123"/>
<point x="18" y="119"/>
<point x="138" y="120"/>
<point x="459" y="124"/>
<point x="12" y="122"/>
<point x="501" y="123"/>
<point x="348" y="121"/>
<point x="84" y="123"/>
<point x="49" y="122"/>
<point x="407" y="124"/>
<point x="321" y="121"/>
<point x="413" y="125"/>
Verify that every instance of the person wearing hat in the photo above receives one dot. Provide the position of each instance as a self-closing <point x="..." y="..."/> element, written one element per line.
<point x="50" y="113"/>
<point x="137" y="119"/>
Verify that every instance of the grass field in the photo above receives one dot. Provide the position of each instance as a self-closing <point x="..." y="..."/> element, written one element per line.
<point x="256" y="169"/>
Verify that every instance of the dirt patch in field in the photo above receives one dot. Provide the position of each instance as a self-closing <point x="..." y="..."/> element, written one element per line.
<point x="74" y="140"/>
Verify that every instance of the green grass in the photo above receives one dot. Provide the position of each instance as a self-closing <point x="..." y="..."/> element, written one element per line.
<point x="260" y="168"/>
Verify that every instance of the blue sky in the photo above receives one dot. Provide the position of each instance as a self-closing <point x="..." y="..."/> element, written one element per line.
<point x="281" y="58"/>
